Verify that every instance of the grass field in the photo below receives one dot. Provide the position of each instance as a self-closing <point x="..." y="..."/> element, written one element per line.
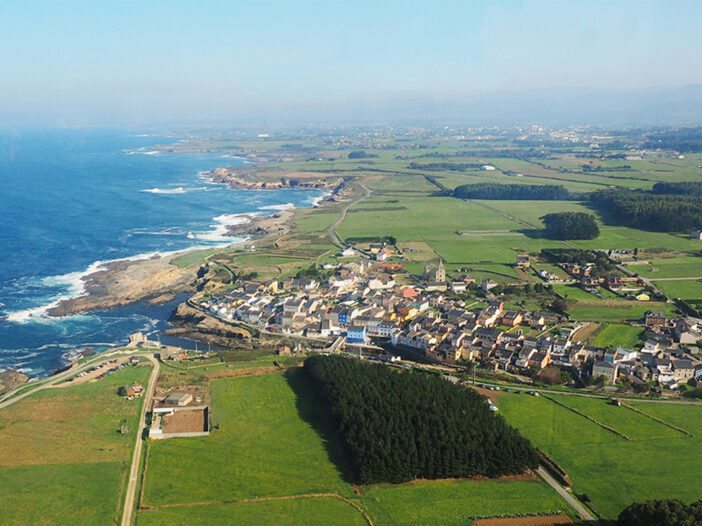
<point x="687" y="289"/>
<point x="613" y="471"/>
<point x="674" y="267"/>
<point x="62" y="460"/>
<point x="616" y="311"/>
<point x="301" y="512"/>
<point x="262" y="448"/>
<point x="615" y="335"/>
<point x="451" y="502"/>
<point x="273" y="441"/>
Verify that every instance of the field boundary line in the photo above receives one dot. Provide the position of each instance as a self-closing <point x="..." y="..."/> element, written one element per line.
<point x="265" y="499"/>
<point x="659" y="420"/>
<point x="591" y="419"/>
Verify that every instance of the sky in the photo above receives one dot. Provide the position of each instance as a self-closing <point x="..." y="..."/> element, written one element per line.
<point x="77" y="62"/>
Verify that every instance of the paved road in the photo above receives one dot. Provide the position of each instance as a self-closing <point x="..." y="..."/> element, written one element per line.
<point x="136" y="457"/>
<point x="8" y="399"/>
<point x="567" y="496"/>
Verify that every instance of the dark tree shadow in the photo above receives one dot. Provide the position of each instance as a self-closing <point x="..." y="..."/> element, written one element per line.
<point x="315" y="410"/>
<point x="534" y="233"/>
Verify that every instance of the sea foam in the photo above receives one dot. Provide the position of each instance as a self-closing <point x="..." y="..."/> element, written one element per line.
<point x="179" y="190"/>
<point x="280" y="208"/>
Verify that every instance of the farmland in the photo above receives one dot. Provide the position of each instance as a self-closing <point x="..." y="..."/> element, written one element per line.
<point x="272" y="440"/>
<point x="611" y="470"/>
<point x="63" y="443"/>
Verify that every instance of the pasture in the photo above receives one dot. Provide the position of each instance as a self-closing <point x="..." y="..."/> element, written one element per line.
<point x="62" y="459"/>
<point x="271" y="441"/>
<point x="615" y="335"/>
<point x="611" y="470"/>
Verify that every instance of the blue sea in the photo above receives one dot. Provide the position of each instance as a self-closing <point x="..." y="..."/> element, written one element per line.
<point x="72" y="199"/>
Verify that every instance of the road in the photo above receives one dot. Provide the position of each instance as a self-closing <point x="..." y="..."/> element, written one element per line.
<point x="567" y="496"/>
<point x="332" y="233"/>
<point x="8" y="399"/>
<point x="136" y="457"/>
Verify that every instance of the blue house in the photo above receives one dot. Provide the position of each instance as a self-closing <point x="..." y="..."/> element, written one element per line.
<point x="356" y="334"/>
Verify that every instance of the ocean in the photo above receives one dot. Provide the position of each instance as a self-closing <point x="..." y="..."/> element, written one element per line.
<point x="72" y="199"/>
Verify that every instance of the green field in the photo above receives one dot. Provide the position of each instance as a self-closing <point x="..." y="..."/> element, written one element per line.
<point x="62" y="460"/>
<point x="687" y="289"/>
<point x="615" y="335"/>
<point x="673" y="267"/>
<point x="262" y="448"/>
<point x="617" y="311"/>
<point x="658" y="462"/>
<point x="319" y="511"/>
<point x="273" y="441"/>
<point x="451" y="502"/>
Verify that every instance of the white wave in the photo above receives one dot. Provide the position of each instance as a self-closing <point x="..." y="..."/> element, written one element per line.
<point x="286" y="206"/>
<point x="179" y="190"/>
<point x="142" y="152"/>
<point x="74" y="285"/>
<point x="221" y="227"/>
<point x="316" y="200"/>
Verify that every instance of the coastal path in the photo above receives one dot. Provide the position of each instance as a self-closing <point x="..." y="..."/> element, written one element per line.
<point x="572" y="501"/>
<point x="136" y="457"/>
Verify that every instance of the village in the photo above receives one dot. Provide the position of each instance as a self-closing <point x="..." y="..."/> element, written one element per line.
<point x="359" y="302"/>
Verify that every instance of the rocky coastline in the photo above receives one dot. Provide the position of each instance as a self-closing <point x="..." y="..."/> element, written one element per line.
<point x="157" y="279"/>
<point x="11" y="378"/>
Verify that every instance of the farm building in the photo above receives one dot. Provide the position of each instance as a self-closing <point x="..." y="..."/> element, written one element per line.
<point x="178" y="399"/>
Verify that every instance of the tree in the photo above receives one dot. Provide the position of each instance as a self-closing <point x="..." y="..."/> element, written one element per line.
<point x="559" y="305"/>
<point x="553" y="375"/>
<point x="122" y="391"/>
<point x="397" y="426"/>
<point x="570" y="225"/>
<point x="547" y="192"/>
<point x="670" y="512"/>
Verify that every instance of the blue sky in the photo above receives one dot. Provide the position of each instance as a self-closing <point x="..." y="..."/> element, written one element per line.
<point x="78" y="61"/>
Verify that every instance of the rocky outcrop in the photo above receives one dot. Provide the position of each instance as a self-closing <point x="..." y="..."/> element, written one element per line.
<point x="195" y="324"/>
<point x="125" y="282"/>
<point x="10" y="379"/>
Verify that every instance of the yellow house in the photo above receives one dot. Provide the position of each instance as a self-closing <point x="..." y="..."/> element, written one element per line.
<point x="643" y="297"/>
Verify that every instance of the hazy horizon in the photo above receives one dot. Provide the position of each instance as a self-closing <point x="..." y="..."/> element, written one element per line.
<point x="66" y="63"/>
